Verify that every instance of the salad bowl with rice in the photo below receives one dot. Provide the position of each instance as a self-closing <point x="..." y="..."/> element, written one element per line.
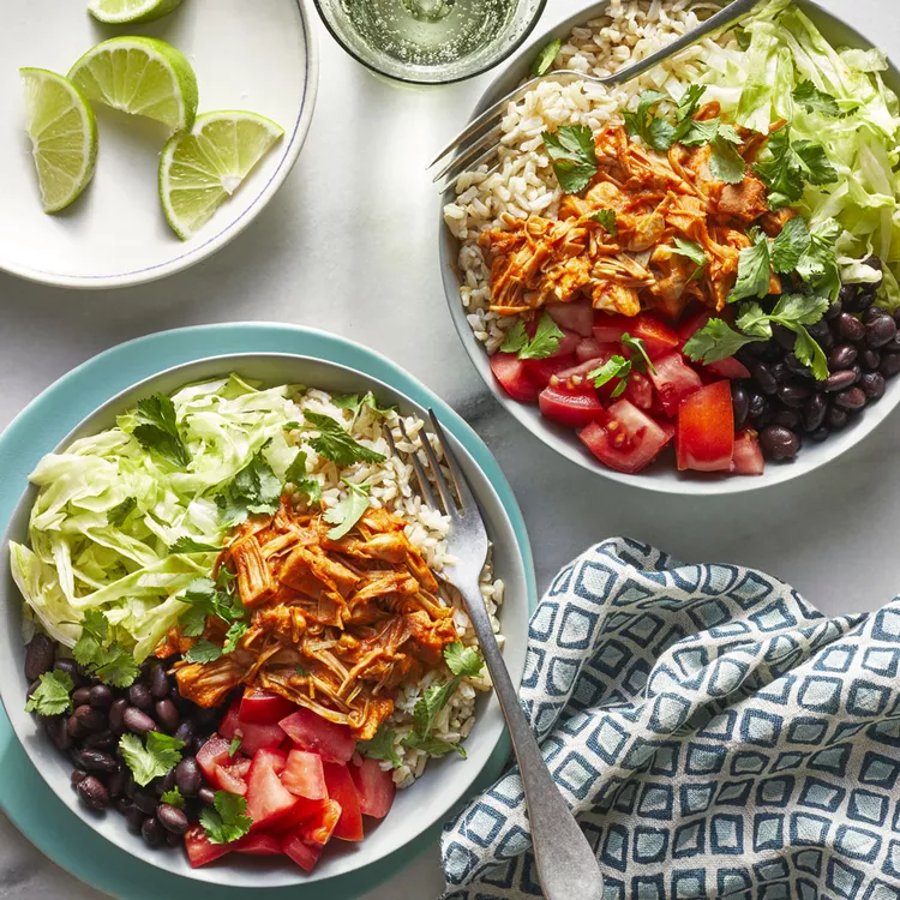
<point x="704" y="258"/>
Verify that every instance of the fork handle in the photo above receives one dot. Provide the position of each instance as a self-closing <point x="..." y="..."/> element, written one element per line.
<point x="725" y="16"/>
<point x="566" y="864"/>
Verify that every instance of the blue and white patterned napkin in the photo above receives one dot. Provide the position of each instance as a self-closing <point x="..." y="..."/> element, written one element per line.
<point x="715" y="734"/>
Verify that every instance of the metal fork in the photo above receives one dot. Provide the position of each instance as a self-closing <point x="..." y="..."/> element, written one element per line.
<point x="480" y="140"/>
<point x="566" y="864"/>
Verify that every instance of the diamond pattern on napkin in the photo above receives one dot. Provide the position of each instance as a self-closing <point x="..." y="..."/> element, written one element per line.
<point x="715" y="734"/>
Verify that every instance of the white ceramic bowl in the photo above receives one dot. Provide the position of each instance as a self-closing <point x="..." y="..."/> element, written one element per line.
<point x="662" y="475"/>
<point x="445" y="782"/>
<point x="261" y="58"/>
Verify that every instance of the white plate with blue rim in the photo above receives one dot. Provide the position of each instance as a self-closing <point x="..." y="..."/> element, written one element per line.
<point x="260" y="57"/>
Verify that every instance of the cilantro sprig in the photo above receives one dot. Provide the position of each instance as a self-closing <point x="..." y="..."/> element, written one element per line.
<point x="615" y="367"/>
<point x="157" y="429"/>
<point x="606" y="218"/>
<point x="98" y="652"/>
<point x="335" y="443"/>
<point x="297" y="475"/>
<point x="52" y="695"/>
<point x="790" y="165"/>
<point x="543" y="62"/>
<point x="574" y="157"/>
<point x="205" y="598"/>
<point x="152" y="759"/>
<point x="255" y="489"/>
<point x="544" y="343"/>
<point x="382" y="746"/>
<point x="347" y="511"/>
<point x="227" y="820"/>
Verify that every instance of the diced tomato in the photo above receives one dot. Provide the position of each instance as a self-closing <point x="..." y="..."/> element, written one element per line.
<point x="229" y="723"/>
<point x="268" y="800"/>
<point x="262" y="708"/>
<point x="304" y="776"/>
<point x="658" y="337"/>
<point x="253" y="736"/>
<point x="574" y="379"/>
<point x="331" y="741"/>
<point x="573" y="409"/>
<point x="342" y="789"/>
<point x="693" y="322"/>
<point x="319" y="829"/>
<point x="540" y="371"/>
<point x="567" y="344"/>
<point x="728" y="368"/>
<point x="748" y="457"/>
<point x="375" y="788"/>
<point x="259" y="844"/>
<point x="211" y="755"/>
<point x="300" y="852"/>
<point x="200" y="849"/>
<point x="629" y="441"/>
<point x="586" y="349"/>
<point x="705" y="438"/>
<point x="232" y="777"/>
<point x="674" y="380"/>
<point x="577" y="317"/>
<point x="639" y="390"/>
<point x="512" y="374"/>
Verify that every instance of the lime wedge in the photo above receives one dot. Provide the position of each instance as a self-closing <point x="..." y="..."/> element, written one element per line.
<point x="201" y="168"/>
<point x="119" y="12"/>
<point x="142" y="76"/>
<point x="63" y="135"/>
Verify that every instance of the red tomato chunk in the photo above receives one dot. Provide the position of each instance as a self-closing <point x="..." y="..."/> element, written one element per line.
<point x="705" y="439"/>
<point x="332" y="742"/>
<point x="629" y="440"/>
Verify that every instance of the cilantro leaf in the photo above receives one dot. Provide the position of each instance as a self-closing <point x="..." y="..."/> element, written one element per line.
<point x="463" y="661"/>
<point x="434" y="698"/>
<point x="189" y="545"/>
<point x="119" y="513"/>
<point x="543" y="62"/>
<point x="544" y="343"/>
<point x="255" y="489"/>
<point x="639" y="122"/>
<point x="153" y="760"/>
<point x="297" y="471"/>
<point x="814" y="100"/>
<point x="614" y="367"/>
<point x="297" y="475"/>
<point x="51" y="696"/>
<point x="753" y="270"/>
<point x="203" y="652"/>
<point x="234" y="746"/>
<point x="790" y="245"/>
<point x="790" y="165"/>
<point x="107" y="659"/>
<point x="694" y="252"/>
<point x="574" y="157"/>
<point x="808" y="351"/>
<point x="335" y="443"/>
<point x="94" y="634"/>
<point x="355" y="403"/>
<point x="799" y="309"/>
<point x="640" y="359"/>
<point x="382" y="746"/>
<point x="725" y="163"/>
<point x="205" y="598"/>
<point x="607" y="219"/>
<point x="348" y="511"/>
<point x="116" y="666"/>
<point x="818" y="266"/>
<point x="714" y="341"/>
<point x="433" y="746"/>
<point x="228" y="820"/>
<point x="157" y="429"/>
<point x="233" y="635"/>
<point x="687" y="106"/>
<point x="698" y="133"/>
<point x="754" y="322"/>
<point x="173" y="798"/>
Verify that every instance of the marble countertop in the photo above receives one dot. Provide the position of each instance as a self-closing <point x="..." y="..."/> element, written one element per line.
<point x="349" y="245"/>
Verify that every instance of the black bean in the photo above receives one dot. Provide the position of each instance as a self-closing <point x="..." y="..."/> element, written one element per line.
<point x="846" y="296"/>
<point x="890" y="365"/>
<point x="116" y="712"/>
<point x="137" y="721"/>
<point x="764" y="378"/>
<point x="70" y="668"/>
<point x="145" y="801"/>
<point x="869" y="359"/>
<point x="39" y="656"/>
<point x="814" y="412"/>
<point x="874" y="262"/>
<point x="818" y="330"/>
<point x="880" y="331"/>
<point x="779" y="443"/>
<point x="787" y="418"/>
<point x="784" y="336"/>
<point x="100" y="740"/>
<point x="134" y="819"/>
<point x="139" y="696"/>
<point x="159" y="683"/>
<point x="152" y="832"/>
<point x="123" y="805"/>
<point x="897" y="315"/>
<point x="98" y="761"/>
<point x="57" y="730"/>
<point x="75" y="729"/>
<point x="827" y="341"/>
<point x="872" y="313"/>
<point x="90" y="719"/>
<point x="185" y="731"/>
<point x="188" y="776"/>
<point x="839" y="381"/>
<point x="207" y="717"/>
<point x="819" y="435"/>
<point x="130" y="786"/>
<point x="851" y="399"/>
<point x="173" y="840"/>
<point x="794" y="395"/>
<point x="892" y="346"/>
<point x="873" y="385"/>
<point x="101" y="697"/>
<point x="166" y="783"/>
<point x="197" y="744"/>
<point x="843" y="356"/>
<point x="77" y="776"/>
<point x="795" y="366"/>
<point x="81" y="695"/>
<point x="172" y="819"/>
<point x="115" y="783"/>
<point x="92" y="793"/>
<point x="836" y="418"/>
<point x="167" y="714"/>
<point x="849" y="327"/>
<point x="206" y="796"/>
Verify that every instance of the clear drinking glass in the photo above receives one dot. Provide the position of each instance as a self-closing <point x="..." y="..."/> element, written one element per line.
<point x="430" y="41"/>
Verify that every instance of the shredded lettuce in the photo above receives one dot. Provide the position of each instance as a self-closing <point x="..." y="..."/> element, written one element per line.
<point x="78" y="559"/>
<point x="756" y="78"/>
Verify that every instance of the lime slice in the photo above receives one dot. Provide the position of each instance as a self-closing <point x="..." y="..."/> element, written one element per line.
<point x="118" y="12"/>
<point x="63" y="135"/>
<point x="142" y="76"/>
<point x="200" y="169"/>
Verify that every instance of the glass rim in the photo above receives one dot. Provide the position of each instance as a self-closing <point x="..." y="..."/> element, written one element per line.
<point x="541" y="5"/>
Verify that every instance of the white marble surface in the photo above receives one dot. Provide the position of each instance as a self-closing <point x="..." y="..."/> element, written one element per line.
<point x="349" y="245"/>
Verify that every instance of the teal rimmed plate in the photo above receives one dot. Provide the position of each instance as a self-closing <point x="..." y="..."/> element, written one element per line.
<point x="36" y="794"/>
